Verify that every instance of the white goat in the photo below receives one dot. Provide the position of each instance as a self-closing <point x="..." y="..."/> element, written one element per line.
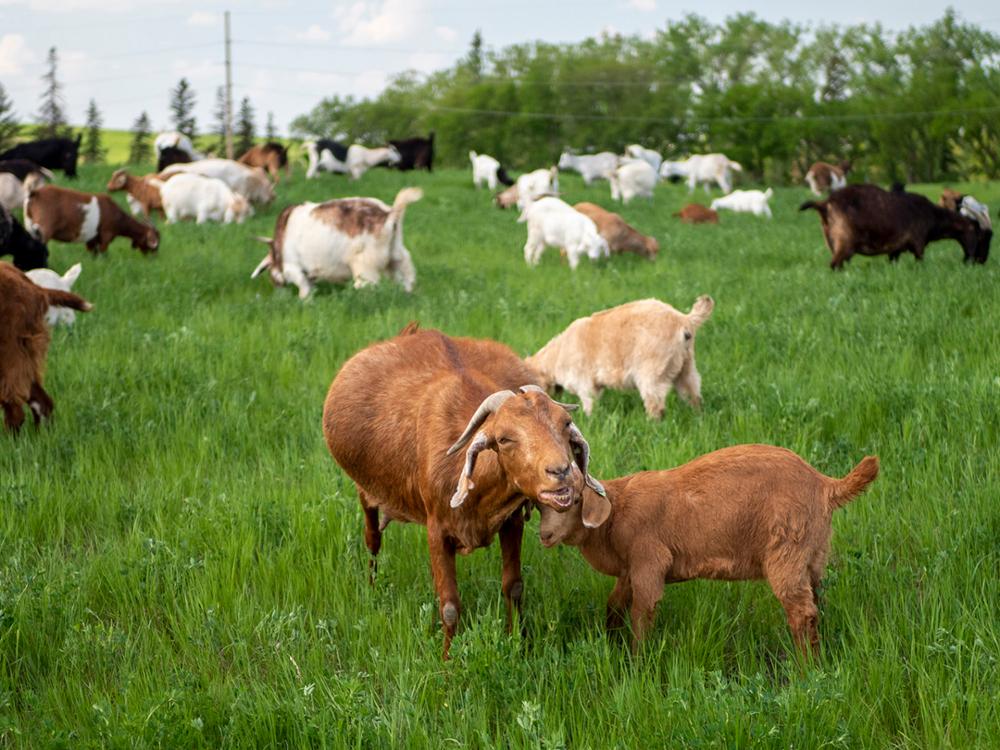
<point x="556" y="223"/>
<point x="361" y="158"/>
<point x="193" y="196"/>
<point x="746" y="201"/>
<point x="590" y="166"/>
<point x="633" y="178"/>
<point x="648" y="155"/>
<point x="250" y="182"/>
<point x="49" y="279"/>
<point x="487" y="169"/>
<point x="704" y="169"/>
<point x="533" y="185"/>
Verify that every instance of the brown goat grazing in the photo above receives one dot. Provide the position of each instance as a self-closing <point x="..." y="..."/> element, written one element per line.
<point x="824" y="178"/>
<point x="396" y="418"/>
<point x="868" y="220"/>
<point x="695" y="213"/>
<point x="55" y="213"/>
<point x="271" y="156"/>
<point x="24" y="341"/>
<point x="506" y="198"/>
<point x="143" y="197"/>
<point x="742" y="513"/>
<point x="621" y="237"/>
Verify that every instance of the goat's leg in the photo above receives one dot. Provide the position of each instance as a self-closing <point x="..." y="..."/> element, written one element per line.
<point x="654" y="389"/>
<point x="648" y="576"/>
<point x="688" y="384"/>
<point x="40" y="402"/>
<point x="373" y="532"/>
<point x="442" y="552"/>
<point x="618" y="603"/>
<point x="791" y="583"/>
<point x="840" y="256"/>
<point x="13" y="416"/>
<point x="511" y="534"/>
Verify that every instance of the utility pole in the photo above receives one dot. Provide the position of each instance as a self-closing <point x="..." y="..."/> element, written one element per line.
<point x="229" y="92"/>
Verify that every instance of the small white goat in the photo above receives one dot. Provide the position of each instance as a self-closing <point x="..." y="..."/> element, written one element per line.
<point x="555" y="222"/>
<point x="533" y="185"/>
<point x="487" y="169"/>
<point x="645" y="344"/>
<point x="250" y="182"/>
<point x="590" y="166"/>
<point x="193" y="196"/>
<point x="648" y="155"/>
<point x="746" y="201"/>
<point x="360" y="158"/>
<point x="49" y="279"/>
<point x="633" y="178"/>
<point x="704" y="169"/>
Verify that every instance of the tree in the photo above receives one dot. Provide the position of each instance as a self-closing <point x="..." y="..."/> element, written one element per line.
<point x="182" y="103"/>
<point x="92" y="151"/>
<point x="219" y="113"/>
<point x="272" y="129"/>
<point x="474" y="61"/>
<point x="8" y="124"/>
<point x="52" y="112"/>
<point x="140" y="151"/>
<point x="245" y="128"/>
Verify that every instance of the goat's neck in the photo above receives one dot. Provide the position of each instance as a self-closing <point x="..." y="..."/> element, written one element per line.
<point x="597" y="545"/>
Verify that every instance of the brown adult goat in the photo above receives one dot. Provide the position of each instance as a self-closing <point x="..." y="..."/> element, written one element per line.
<point x="395" y="419"/>
<point x="868" y="220"/>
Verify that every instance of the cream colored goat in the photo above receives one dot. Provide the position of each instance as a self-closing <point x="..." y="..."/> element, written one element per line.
<point x="646" y="345"/>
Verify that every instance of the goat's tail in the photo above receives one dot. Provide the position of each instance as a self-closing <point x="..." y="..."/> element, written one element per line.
<point x="72" y="274"/>
<point x="410" y="328"/>
<point x="701" y="310"/>
<point x="769" y="193"/>
<point x="842" y="491"/>
<point x="503" y="177"/>
<point x="404" y="198"/>
<point x="736" y="165"/>
<point x="59" y="298"/>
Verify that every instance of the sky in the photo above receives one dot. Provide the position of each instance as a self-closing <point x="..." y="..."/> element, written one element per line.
<point x="128" y="54"/>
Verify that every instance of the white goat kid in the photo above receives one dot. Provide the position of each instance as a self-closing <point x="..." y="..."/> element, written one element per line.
<point x="250" y="182"/>
<point x="192" y="196"/>
<point x="590" y="166"/>
<point x="484" y="170"/>
<point x="634" y="178"/>
<point x="746" y="201"/>
<point x="533" y="185"/>
<point x="360" y="158"/>
<point x="49" y="279"/>
<point x="648" y="155"/>
<point x="703" y="169"/>
<point x="556" y="223"/>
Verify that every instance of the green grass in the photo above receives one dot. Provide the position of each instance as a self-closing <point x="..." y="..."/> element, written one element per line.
<point x="182" y="564"/>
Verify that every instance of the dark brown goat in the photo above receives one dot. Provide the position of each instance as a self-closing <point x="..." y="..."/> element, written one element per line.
<point x="868" y="220"/>
<point x="24" y="342"/>
<point x="395" y="419"/>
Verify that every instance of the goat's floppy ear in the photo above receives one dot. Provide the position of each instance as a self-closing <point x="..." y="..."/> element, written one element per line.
<point x="581" y="453"/>
<point x="596" y="509"/>
<point x="480" y="443"/>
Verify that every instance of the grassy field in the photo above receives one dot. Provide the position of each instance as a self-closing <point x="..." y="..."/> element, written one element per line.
<point x="182" y="564"/>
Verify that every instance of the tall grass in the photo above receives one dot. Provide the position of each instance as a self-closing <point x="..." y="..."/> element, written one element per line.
<point x="182" y="564"/>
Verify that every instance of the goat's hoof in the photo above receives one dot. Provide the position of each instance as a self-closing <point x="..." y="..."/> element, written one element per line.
<point x="516" y="591"/>
<point x="449" y="615"/>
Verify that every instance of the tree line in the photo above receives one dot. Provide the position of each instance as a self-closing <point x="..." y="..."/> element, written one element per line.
<point x="916" y="105"/>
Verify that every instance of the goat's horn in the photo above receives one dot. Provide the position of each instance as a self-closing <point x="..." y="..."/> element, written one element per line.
<point x="533" y="387"/>
<point x="489" y="405"/>
<point x="581" y="452"/>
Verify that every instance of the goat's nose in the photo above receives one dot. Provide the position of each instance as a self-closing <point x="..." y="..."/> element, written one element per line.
<point x="559" y="472"/>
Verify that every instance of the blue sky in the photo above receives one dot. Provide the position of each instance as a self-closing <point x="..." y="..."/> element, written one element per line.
<point x="127" y="54"/>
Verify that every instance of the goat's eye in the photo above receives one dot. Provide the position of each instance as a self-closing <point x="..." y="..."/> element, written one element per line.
<point x="568" y="423"/>
<point x="504" y="440"/>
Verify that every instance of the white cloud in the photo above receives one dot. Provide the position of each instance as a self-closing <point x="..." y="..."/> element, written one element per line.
<point x="446" y="32"/>
<point x="427" y="62"/>
<point x="315" y="33"/>
<point x="203" y="18"/>
<point x="646" y="6"/>
<point x="14" y="54"/>
<point x="375" y="22"/>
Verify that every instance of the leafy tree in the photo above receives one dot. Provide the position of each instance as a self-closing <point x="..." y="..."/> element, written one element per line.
<point x="52" y="111"/>
<point x="182" y="102"/>
<point x="92" y="151"/>
<point x="245" y="128"/>
<point x="8" y="123"/>
<point x="140" y="150"/>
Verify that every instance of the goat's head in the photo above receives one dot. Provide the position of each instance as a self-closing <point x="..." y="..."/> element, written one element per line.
<point x="539" y="449"/>
<point x="588" y="511"/>
<point x="148" y="241"/>
<point x="118" y="180"/>
<point x="566" y="160"/>
<point x="652" y="247"/>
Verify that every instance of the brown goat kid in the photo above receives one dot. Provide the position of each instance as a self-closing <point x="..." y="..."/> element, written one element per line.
<point x="868" y="220"/>
<point x="742" y="513"/>
<point x="55" y="213"/>
<point x="396" y="418"/>
<point x="695" y="213"/>
<point x="620" y="236"/>
<point x="271" y="156"/>
<point x="24" y="342"/>
<point x="143" y="197"/>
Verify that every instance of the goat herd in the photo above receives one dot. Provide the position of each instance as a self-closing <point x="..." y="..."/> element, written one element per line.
<point x="463" y="437"/>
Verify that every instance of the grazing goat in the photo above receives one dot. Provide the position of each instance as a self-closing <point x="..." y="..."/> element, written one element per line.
<point x="633" y="179"/>
<point x="746" y="201"/>
<point x="645" y="344"/>
<point x="487" y="169"/>
<point x="648" y="155"/>
<point x="28" y="252"/>
<point x="12" y="190"/>
<point x="506" y="198"/>
<point x="192" y="196"/>
<point x="270" y="156"/>
<point x="176" y="140"/>
<point x="556" y="223"/>
<point x="967" y="206"/>
<point x="51" y="153"/>
<point x="533" y="185"/>
<point x="360" y="158"/>
<point x="24" y="342"/>
<point x="142" y="193"/>
<point x="747" y="512"/>
<point x="591" y="166"/>
<point x="21" y="168"/>
<point x="55" y="213"/>
<point x="694" y="213"/>
<point x="414" y="153"/>
<point x="49" y="279"/>
<point x="172" y="155"/>
<point x="326" y="155"/>
<point x="359" y="238"/>
<point x="868" y="220"/>
<point x="621" y="237"/>
<point x="397" y="418"/>
<point x="825" y="178"/>
<point x="250" y="182"/>
<point x="704" y="169"/>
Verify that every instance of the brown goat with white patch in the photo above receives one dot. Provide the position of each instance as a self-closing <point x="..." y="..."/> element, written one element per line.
<point x="747" y="512"/>
<point x="695" y="213"/>
<point x="270" y="156"/>
<point x="396" y="418"/>
<point x="143" y="196"/>
<point x="645" y="344"/>
<point x="24" y="342"/>
<point x="55" y="213"/>
<point x="620" y="236"/>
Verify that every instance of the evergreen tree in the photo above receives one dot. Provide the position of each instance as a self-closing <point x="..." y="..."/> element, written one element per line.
<point x="52" y="112"/>
<point x="220" y="120"/>
<point x="272" y="129"/>
<point x="245" y="128"/>
<point x="8" y="124"/>
<point x="140" y="150"/>
<point x="92" y="151"/>
<point x="474" y="62"/>
<point x="182" y="101"/>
